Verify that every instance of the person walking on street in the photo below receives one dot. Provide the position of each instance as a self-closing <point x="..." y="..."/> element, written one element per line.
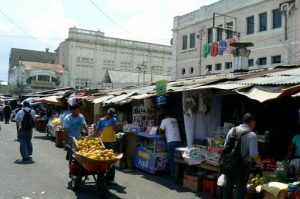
<point x="248" y="152"/>
<point x="25" y="121"/>
<point x="169" y="125"/>
<point x="72" y="126"/>
<point x="106" y="128"/>
<point x="7" y="112"/>
<point x="15" y="113"/>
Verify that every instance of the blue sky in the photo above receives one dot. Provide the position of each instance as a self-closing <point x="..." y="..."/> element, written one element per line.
<point x="40" y="24"/>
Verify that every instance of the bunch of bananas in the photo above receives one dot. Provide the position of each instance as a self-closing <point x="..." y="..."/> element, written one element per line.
<point x="56" y="122"/>
<point x="92" y="149"/>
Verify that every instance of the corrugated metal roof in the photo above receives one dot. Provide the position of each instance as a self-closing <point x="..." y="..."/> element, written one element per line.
<point x="271" y="80"/>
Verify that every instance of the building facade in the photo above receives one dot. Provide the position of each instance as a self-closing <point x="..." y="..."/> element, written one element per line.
<point x="87" y="56"/>
<point x="34" y="76"/>
<point x="201" y="38"/>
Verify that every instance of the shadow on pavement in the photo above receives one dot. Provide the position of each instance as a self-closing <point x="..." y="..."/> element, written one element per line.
<point x="164" y="180"/>
<point x="88" y="191"/>
<point x="24" y="162"/>
<point x="45" y="137"/>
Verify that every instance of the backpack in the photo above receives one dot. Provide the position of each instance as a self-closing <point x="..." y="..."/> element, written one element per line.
<point x="231" y="158"/>
<point x="27" y="122"/>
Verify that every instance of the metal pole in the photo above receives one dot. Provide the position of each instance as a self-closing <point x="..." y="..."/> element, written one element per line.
<point x="200" y="61"/>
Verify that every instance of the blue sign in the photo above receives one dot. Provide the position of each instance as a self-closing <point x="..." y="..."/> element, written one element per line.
<point x="148" y="161"/>
<point x="160" y="100"/>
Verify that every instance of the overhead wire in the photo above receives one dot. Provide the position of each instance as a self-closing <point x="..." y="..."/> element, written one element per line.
<point x="108" y="17"/>
<point x="17" y="26"/>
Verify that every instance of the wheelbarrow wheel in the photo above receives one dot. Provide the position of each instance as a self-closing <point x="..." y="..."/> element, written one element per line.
<point x="102" y="185"/>
<point x="75" y="182"/>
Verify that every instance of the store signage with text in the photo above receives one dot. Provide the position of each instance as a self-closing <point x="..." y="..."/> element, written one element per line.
<point x="217" y="48"/>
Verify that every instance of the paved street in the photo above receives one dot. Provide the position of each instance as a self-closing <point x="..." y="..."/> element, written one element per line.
<point x="47" y="176"/>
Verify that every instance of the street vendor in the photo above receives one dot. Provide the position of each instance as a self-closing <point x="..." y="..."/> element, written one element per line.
<point x="73" y="123"/>
<point x="107" y="127"/>
<point x="294" y="153"/>
<point x="169" y="125"/>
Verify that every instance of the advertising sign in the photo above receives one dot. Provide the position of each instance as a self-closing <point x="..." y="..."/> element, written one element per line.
<point x="161" y="87"/>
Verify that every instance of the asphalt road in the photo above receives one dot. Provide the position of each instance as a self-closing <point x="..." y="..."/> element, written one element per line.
<point x="46" y="177"/>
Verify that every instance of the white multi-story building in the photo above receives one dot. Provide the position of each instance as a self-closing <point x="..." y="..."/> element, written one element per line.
<point x="200" y="48"/>
<point x="89" y="56"/>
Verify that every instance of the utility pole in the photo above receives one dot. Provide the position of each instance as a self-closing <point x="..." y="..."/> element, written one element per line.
<point x="201" y="43"/>
<point x="139" y="69"/>
<point x="286" y="9"/>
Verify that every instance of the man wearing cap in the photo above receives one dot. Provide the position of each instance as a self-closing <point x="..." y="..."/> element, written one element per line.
<point x="106" y="129"/>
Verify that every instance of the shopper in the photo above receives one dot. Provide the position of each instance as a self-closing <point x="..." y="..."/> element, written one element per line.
<point x="249" y="153"/>
<point x="169" y="125"/>
<point x="7" y="112"/>
<point x="25" y="121"/>
<point x="106" y="128"/>
<point x="73" y="123"/>
<point x="294" y="154"/>
<point x="1" y="113"/>
<point x="19" y="108"/>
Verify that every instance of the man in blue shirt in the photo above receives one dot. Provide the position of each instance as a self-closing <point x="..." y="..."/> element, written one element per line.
<point x="73" y="123"/>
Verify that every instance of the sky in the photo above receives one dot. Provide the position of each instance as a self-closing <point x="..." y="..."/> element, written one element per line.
<point x="40" y="24"/>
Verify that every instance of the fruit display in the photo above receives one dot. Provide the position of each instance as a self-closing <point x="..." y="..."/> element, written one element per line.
<point x="93" y="149"/>
<point x="256" y="180"/>
<point x="56" y="122"/>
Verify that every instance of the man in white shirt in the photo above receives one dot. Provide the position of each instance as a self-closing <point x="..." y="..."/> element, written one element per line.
<point x="170" y="126"/>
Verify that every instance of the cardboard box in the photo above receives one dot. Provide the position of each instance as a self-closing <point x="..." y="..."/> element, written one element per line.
<point x="268" y="195"/>
<point x="191" y="182"/>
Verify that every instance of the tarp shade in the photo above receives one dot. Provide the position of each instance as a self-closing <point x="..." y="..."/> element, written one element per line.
<point x="266" y="93"/>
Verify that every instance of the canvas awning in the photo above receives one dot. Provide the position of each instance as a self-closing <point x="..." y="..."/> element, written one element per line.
<point x="55" y="100"/>
<point x="266" y="93"/>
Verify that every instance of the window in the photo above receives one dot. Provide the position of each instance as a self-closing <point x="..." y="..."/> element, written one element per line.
<point x="263" y="21"/>
<point x="209" y="35"/>
<point x="228" y="65"/>
<point x="183" y="71"/>
<point x="276" y="59"/>
<point x="44" y="78"/>
<point x="229" y="29"/>
<point x="219" y="33"/>
<point x="250" y="25"/>
<point x="191" y="70"/>
<point x="192" y="40"/>
<point x="250" y="62"/>
<point x="277" y="18"/>
<point x="262" y="61"/>
<point x="184" y="42"/>
<point x="218" y="67"/>
<point x="208" y="68"/>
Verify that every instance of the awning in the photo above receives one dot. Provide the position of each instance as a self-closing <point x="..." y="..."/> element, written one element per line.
<point x="266" y="93"/>
<point x="55" y="100"/>
<point x="102" y="99"/>
<point x="120" y="99"/>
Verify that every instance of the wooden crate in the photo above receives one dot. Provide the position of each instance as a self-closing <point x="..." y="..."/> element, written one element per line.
<point x="60" y="139"/>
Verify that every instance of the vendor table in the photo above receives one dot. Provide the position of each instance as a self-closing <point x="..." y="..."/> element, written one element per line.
<point x="180" y="164"/>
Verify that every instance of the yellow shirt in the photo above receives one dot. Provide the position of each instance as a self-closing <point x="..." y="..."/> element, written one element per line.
<point x="108" y="134"/>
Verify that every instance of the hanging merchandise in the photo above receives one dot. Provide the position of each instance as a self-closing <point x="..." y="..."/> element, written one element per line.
<point x="189" y="105"/>
<point x="203" y="103"/>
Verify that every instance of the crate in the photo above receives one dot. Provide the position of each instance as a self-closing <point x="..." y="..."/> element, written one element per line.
<point x="61" y="139"/>
<point x="191" y="182"/>
<point x="210" y="187"/>
<point x="282" y="195"/>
